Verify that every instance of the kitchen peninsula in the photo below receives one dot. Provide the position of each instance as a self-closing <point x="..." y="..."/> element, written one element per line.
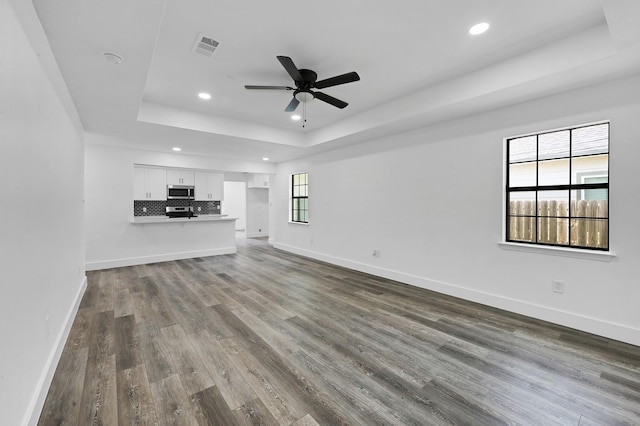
<point x="183" y="237"/>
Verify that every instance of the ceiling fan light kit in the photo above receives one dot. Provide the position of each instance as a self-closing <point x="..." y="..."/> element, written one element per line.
<point x="303" y="95"/>
<point x="305" y="80"/>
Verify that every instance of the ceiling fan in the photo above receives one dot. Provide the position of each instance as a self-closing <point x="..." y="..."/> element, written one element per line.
<point x="305" y="80"/>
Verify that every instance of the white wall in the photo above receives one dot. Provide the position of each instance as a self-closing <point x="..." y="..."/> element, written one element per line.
<point x="111" y="239"/>
<point x="41" y="235"/>
<point x="235" y="202"/>
<point x="431" y="201"/>
<point x="257" y="212"/>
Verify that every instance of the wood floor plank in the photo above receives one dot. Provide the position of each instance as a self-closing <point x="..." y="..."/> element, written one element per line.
<point x="99" y="398"/>
<point x="192" y="281"/>
<point x="230" y="383"/>
<point x="105" y="292"/>
<point x="63" y="400"/>
<point x="214" y="407"/>
<point x="122" y="305"/>
<point x="306" y="421"/>
<point x="135" y="403"/>
<point x="268" y="332"/>
<point x="173" y="405"/>
<point x="157" y="360"/>
<point x="140" y="283"/>
<point x="127" y="343"/>
<point x="90" y="297"/>
<point x="99" y="404"/>
<point x="336" y="403"/>
<point x="255" y="413"/>
<point x="456" y="408"/>
<point x="273" y="394"/>
<point x="218" y="328"/>
<point x="188" y="365"/>
<point x="292" y="380"/>
<point x="80" y="333"/>
<point x="188" y="310"/>
<point x="267" y="337"/>
<point x="274" y="308"/>
<point x="150" y="304"/>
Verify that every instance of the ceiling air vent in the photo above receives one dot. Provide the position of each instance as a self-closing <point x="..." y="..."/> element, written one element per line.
<point x="205" y="45"/>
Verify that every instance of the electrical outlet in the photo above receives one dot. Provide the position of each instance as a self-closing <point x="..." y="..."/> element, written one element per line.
<point x="557" y="286"/>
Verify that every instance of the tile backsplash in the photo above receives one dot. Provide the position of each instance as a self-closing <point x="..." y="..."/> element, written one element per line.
<point x="157" y="208"/>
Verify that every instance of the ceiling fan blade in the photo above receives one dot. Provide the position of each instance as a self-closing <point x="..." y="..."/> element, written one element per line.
<point x="292" y="105"/>
<point x="291" y="68"/>
<point x="339" y="79"/>
<point x="249" y="86"/>
<point x="330" y="100"/>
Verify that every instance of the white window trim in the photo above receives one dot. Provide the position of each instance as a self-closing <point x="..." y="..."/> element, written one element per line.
<point x="602" y="256"/>
<point x="291" y="200"/>
<point x="299" y="223"/>
<point x="562" y="251"/>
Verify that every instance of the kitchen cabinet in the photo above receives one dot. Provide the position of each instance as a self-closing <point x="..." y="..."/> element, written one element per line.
<point x="180" y="177"/>
<point x="149" y="183"/>
<point x="209" y="186"/>
<point x="258" y="180"/>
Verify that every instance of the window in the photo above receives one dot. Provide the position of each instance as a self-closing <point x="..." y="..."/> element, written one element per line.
<point x="300" y="197"/>
<point x="557" y="188"/>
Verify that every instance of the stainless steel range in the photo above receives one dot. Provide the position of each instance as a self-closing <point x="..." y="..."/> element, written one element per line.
<point x="186" y="211"/>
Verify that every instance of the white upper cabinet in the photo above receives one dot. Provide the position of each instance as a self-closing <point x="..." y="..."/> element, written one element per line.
<point x="258" y="181"/>
<point x="209" y="186"/>
<point x="180" y="177"/>
<point x="149" y="183"/>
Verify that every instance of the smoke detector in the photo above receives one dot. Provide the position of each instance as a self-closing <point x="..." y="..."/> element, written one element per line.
<point x="205" y="45"/>
<point x="112" y="58"/>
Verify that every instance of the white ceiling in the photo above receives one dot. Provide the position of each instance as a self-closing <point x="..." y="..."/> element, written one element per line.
<point x="417" y="63"/>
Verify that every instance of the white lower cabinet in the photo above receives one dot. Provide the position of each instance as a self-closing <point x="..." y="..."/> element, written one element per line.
<point x="209" y="186"/>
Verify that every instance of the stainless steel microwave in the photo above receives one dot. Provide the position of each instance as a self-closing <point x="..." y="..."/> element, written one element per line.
<point x="180" y="192"/>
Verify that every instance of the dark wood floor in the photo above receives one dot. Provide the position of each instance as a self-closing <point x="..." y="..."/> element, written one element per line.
<point x="265" y="337"/>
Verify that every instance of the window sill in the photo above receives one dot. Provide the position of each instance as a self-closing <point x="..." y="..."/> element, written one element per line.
<point x="602" y="256"/>
<point x="299" y="223"/>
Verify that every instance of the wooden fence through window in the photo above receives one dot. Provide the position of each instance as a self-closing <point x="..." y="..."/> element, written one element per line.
<point x="589" y="222"/>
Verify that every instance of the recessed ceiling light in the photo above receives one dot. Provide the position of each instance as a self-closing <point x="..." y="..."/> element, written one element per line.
<point x="265" y="158"/>
<point x="479" y="28"/>
<point x="205" y="96"/>
<point x="295" y="117"/>
<point x="176" y="148"/>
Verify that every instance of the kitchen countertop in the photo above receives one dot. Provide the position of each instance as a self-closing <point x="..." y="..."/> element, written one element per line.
<point x="165" y="219"/>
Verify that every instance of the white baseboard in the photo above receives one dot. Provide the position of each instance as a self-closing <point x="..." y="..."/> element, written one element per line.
<point x="611" y="330"/>
<point x="257" y="234"/>
<point x="37" y="402"/>
<point x="164" y="257"/>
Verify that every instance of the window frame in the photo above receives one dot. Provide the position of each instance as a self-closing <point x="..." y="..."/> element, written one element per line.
<point x="578" y="188"/>
<point x="294" y="200"/>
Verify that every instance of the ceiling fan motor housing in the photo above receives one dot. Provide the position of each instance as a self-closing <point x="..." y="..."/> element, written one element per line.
<point x="308" y="81"/>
